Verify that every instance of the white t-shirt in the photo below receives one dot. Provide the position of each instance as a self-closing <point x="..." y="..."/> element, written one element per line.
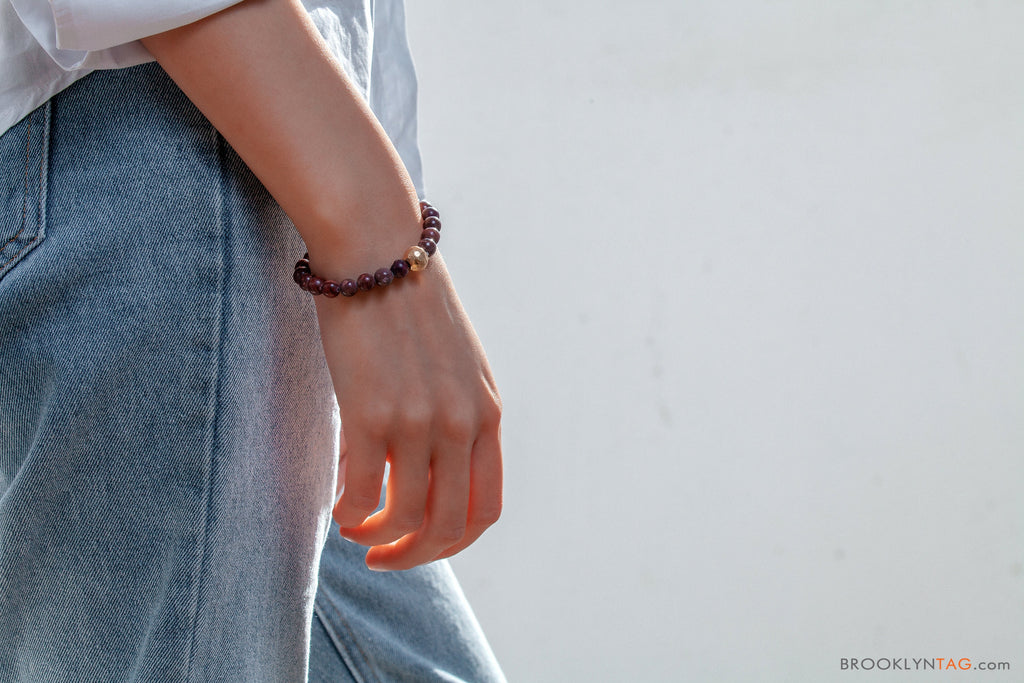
<point x="46" y="45"/>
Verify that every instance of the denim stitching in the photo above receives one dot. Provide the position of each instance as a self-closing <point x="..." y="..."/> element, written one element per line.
<point x="343" y="651"/>
<point x="203" y="558"/>
<point x="43" y="152"/>
<point x="24" y="197"/>
<point x="346" y="661"/>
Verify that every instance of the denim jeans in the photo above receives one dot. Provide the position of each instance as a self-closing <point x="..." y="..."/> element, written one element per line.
<point x="168" y="429"/>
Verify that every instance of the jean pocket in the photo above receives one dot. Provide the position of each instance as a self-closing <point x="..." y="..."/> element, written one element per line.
<point x="23" y="174"/>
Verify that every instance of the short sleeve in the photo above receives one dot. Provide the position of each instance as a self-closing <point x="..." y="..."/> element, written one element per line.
<point x="104" y="34"/>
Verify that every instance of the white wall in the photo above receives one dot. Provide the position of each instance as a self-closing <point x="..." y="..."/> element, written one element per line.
<point x="750" y="275"/>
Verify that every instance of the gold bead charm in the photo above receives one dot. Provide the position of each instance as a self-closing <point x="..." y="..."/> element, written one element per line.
<point x="417" y="257"/>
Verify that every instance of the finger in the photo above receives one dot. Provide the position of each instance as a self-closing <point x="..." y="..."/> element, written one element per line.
<point x="445" y="522"/>
<point x="364" y="473"/>
<point x="485" y="494"/>
<point x="405" y="504"/>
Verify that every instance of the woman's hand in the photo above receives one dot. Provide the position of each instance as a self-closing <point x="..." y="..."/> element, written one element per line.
<point x="415" y="389"/>
<point x="411" y="378"/>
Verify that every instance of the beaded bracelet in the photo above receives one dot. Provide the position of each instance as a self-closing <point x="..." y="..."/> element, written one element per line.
<point x="417" y="257"/>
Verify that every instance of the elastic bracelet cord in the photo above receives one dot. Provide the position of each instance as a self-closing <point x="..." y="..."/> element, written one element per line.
<point x="417" y="257"/>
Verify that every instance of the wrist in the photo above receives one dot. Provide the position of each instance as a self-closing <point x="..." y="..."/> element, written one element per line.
<point x="346" y="235"/>
<point x="324" y="276"/>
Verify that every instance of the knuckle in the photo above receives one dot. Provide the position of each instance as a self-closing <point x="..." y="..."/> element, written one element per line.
<point x="492" y="412"/>
<point x="360" y="501"/>
<point x="377" y="427"/>
<point x="486" y="516"/>
<point x="364" y="479"/>
<point x="408" y="522"/>
<point x="459" y="426"/>
<point x="450" y="534"/>
<point x="416" y="419"/>
<point x="376" y="419"/>
<point x="363" y="487"/>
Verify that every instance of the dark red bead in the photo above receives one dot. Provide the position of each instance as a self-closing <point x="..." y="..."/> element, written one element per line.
<point x="430" y="234"/>
<point x="331" y="289"/>
<point x="316" y="285"/>
<point x="432" y="222"/>
<point x="349" y="287"/>
<point x="400" y="268"/>
<point x="304" y="280"/>
<point x="424" y="205"/>
<point x="297" y="276"/>
<point x="431" y="212"/>
<point x="303" y="264"/>
<point x="383" y="277"/>
<point x="365" y="282"/>
<point x="429" y="246"/>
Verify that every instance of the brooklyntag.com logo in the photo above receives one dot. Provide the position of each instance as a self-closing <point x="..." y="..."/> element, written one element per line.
<point x="919" y="664"/>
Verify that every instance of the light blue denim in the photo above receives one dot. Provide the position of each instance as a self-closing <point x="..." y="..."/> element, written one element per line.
<point x="168" y="432"/>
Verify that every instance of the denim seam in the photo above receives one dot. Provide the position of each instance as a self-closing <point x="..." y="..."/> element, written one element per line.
<point x="44" y="153"/>
<point x="340" y="644"/>
<point x="44" y="147"/>
<point x="24" y="195"/>
<point x="346" y="659"/>
<point x="212" y="429"/>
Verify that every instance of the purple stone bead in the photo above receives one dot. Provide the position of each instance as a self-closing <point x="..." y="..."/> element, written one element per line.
<point x="304" y="280"/>
<point x="431" y="212"/>
<point x="331" y="289"/>
<point x="400" y="268"/>
<point x="383" y="277"/>
<point x="316" y="285"/>
<point x="429" y="246"/>
<point x="430" y="234"/>
<point x="365" y="282"/>
<point x="349" y="287"/>
<point x="432" y="222"/>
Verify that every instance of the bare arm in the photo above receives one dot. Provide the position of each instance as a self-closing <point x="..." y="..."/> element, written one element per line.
<point x="411" y="377"/>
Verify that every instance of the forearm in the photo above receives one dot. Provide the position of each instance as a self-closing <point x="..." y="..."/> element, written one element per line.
<point x="262" y="75"/>
<point x="413" y="385"/>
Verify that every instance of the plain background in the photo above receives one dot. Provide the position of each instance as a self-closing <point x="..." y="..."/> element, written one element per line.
<point x="750" y="276"/>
